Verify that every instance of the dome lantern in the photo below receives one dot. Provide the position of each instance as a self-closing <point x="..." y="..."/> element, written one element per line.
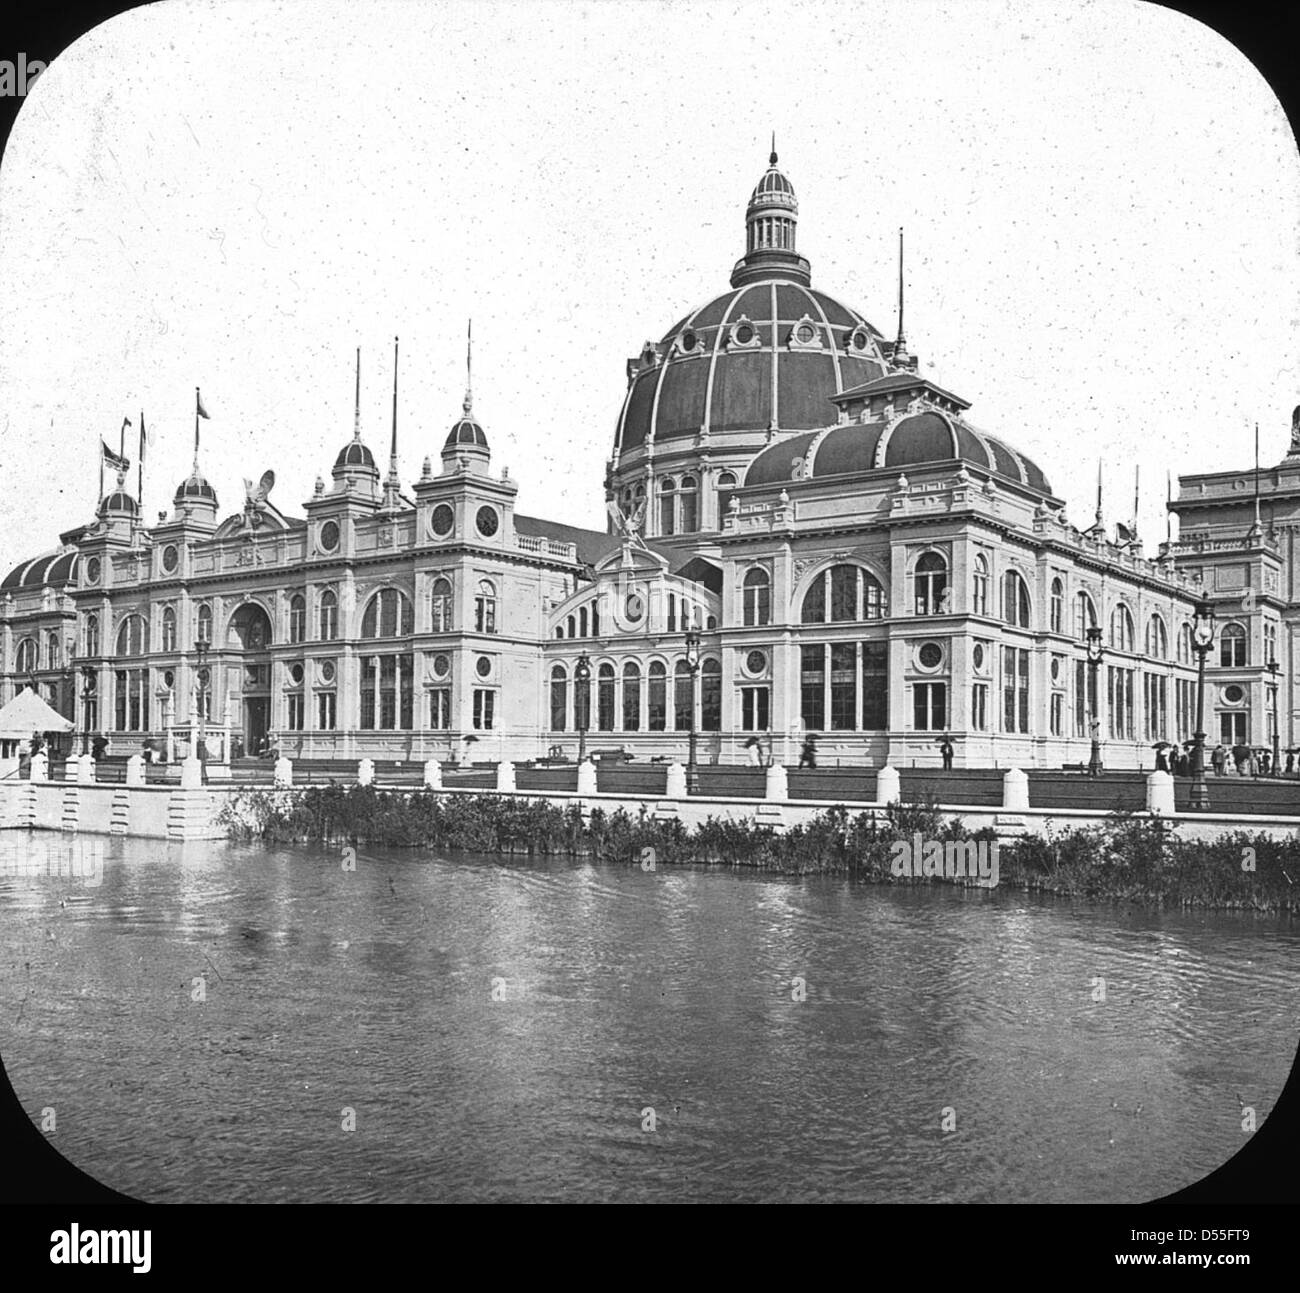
<point x="771" y="221"/>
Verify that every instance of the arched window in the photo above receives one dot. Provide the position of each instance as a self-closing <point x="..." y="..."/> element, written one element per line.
<point x="559" y="698"/>
<point x="53" y="651"/>
<point x="1085" y="616"/>
<point x="1121" y="628"/>
<point x="595" y="617"/>
<point x="756" y="594"/>
<point x="672" y="613"/>
<point x="169" y="628"/>
<point x="485" y="607"/>
<point x="388" y="615"/>
<point x="582" y="621"/>
<point x="571" y="624"/>
<point x="931" y="578"/>
<point x="711" y="695"/>
<point x="297" y="618"/>
<point x="29" y="656"/>
<point x="980" y="585"/>
<point x="690" y="505"/>
<point x="605" y="698"/>
<point x="631" y="697"/>
<point x="683" y="701"/>
<point x="1232" y="647"/>
<point x="203" y="623"/>
<point x="329" y="615"/>
<point x="1056" y="607"/>
<point x="92" y="634"/>
<point x="440" y="605"/>
<point x="657" y="697"/>
<point x="848" y="593"/>
<point x="1015" y="600"/>
<point x="1157" y="639"/>
<point x="133" y="636"/>
<point x="1185" y="643"/>
<point x="667" y="506"/>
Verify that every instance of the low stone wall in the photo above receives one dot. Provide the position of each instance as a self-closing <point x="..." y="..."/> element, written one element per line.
<point x="189" y="811"/>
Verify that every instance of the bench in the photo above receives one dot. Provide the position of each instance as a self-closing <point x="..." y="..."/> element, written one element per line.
<point x="611" y="754"/>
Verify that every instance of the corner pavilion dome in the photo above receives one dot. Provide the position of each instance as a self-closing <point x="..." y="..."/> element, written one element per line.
<point x="195" y="486"/>
<point x="119" y="503"/>
<point x="466" y="431"/>
<point x="765" y="356"/>
<point x="355" y="454"/>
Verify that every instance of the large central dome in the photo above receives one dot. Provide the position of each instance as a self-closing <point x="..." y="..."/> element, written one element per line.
<point x="761" y="358"/>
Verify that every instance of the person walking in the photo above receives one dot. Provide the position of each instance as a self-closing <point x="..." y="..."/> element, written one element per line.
<point x="1290" y="762"/>
<point x="808" y="754"/>
<point x="1219" y="759"/>
<point x="1239" y="753"/>
<point x="945" y="749"/>
<point x="1162" y="761"/>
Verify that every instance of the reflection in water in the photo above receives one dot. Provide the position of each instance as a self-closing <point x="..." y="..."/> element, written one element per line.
<point x="499" y="1029"/>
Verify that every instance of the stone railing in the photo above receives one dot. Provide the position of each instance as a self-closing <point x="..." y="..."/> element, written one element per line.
<point x="547" y="547"/>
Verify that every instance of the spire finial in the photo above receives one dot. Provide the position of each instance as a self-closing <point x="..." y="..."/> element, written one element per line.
<point x="901" y="346"/>
<point x="468" y="405"/>
<point x="356" y="408"/>
<point x="771" y="161"/>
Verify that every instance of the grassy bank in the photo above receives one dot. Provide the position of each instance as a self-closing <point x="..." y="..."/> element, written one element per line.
<point x="1126" y="859"/>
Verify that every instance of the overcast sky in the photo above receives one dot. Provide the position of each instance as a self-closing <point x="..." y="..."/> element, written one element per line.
<point x="1102" y="204"/>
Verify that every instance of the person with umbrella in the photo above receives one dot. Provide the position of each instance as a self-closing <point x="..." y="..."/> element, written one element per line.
<point x="1162" y="760"/>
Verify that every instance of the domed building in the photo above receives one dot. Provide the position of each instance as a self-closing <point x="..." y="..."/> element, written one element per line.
<point x="806" y="536"/>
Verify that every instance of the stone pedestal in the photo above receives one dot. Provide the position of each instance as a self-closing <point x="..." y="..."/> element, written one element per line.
<point x="586" y="777"/>
<point x="366" y="772"/>
<point x="191" y="773"/>
<point x="433" y="774"/>
<point x="888" y="790"/>
<point x="1015" y="791"/>
<point x="283" y="773"/>
<point x="676" y="781"/>
<point x="134" y="770"/>
<point x="1160" y="794"/>
<point x="505" y="775"/>
<point x="778" y="783"/>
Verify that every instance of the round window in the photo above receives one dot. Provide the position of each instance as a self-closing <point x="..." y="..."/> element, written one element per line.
<point x="744" y="334"/>
<point x="1056" y="671"/>
<point x="1233" y="694"/>
<point x="483" y="666"/>
<point x="859" y="340"/>
<point x="327" y="671"/>
<point x="442" y="520"/>
<point x="977" y="655"/>
<point x="170" y="558"/>
<point x="295" y="674"/>
<point x="92" y="571"/>
<point x="169" y="678"/>
<point x="487" y="522"/>
<point x="930" y="655"/>
<point x="756" y="661"/>
<point x="805" y="332"/>
<point x="441" y="665"/>
<point x="329" y="536"/>
<point x="205" y="677"/>
<point x="635" y="606"/>
<point x="689" y="340"/>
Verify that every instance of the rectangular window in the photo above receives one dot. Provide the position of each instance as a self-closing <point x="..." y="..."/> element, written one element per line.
<point x="711" y="698"/>
<point x="1233" y="726"/>
<point x="979" y="707"/>
<point x="812" y="686"/>
<point x="387" y="692"/>
<point x="1119" y="696"/>
<point x="929" y="706"/>
<point x="1015" y="690"/>
<point x="296" y="708"/>
<point x="369" y="673"/>
<point x="484" y="707"/>
<point x="844" y="686"/>
<point x="754" y="709"/>
<point x="1022" y="688"/>
<point x="682" y="700"/>
<point x="440" y="708"/>
<point x="605" y="704"/>
<point x="875" y="686"/>
<point x="1057" y="716"/>
<point x="326" y="711"/>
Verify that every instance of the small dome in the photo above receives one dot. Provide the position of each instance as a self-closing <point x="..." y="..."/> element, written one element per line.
<point x="195" y="486"/>
<point x="51" y="568"/>
<point x="772" y="185"/>
<point x="465" y="432"/>
<point x="119" y="503"/>
<point x="355" y="454"/>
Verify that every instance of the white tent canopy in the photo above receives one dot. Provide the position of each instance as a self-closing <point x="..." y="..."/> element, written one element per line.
<point x="28" y="713"/>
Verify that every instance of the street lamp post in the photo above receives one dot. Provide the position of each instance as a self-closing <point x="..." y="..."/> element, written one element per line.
<point x="582" y="702"/>
<point x="692" y="664"/>
<point x="1272" y="668"/>
<point x="201" y="651"/>
<point x="1095" y="652"/>
<point x="1202" y="641"/>
<point x="87" y="695"/>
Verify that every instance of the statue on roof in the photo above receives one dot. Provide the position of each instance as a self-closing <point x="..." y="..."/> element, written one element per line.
<point x="255" y="499"/>
<point x="1294" y="450"/>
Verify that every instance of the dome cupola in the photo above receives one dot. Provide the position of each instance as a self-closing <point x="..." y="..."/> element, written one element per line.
<point x="195" y="489"/>
<point x="466" y="442"/>
<point x="771" y="220"/>
<point x="355" y="461"/>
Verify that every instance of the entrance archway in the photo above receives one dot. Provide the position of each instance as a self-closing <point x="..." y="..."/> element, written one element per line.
<point x="249" y="636"/>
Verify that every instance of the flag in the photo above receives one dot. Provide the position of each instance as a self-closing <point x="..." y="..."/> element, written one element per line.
<point x="198" y="405"/>
<point x="115" y="460"/>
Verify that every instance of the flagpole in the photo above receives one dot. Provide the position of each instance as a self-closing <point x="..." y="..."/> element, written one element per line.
<point x="139" y="486"/>
<point x="196" y="428"/>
